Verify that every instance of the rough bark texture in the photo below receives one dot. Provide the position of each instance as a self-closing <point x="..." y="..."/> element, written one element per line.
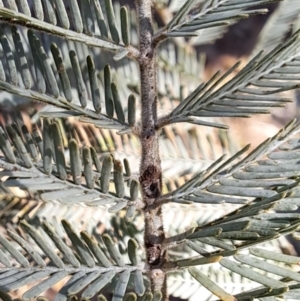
<point x="150" y="168"/>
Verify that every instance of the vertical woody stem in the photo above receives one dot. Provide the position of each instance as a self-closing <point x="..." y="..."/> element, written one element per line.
<point x="150" y="168"/>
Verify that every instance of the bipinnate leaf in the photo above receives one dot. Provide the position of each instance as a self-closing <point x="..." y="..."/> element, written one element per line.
<point x="86" y="276"/>
<point x="194" y="17"/>
<point x="80" y="18"/>
<point x="86" y="184"/>
<point x="240" y="174"/>
<point x="49" y="80"/>
<point x="246" y="93"/>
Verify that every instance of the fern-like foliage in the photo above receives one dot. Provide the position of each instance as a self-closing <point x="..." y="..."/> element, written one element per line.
<point x="278" y="26"/>
<point x="190" y="19"/>
<point x="241" y="96"/>
<point x="90" y="263"/>
<point x="79" y="157"/>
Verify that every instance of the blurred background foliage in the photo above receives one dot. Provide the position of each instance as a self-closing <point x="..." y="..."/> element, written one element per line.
<point x="191" y="147"/>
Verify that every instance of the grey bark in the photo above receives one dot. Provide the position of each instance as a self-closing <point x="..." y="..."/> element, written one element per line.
<point x="150" y="168"/>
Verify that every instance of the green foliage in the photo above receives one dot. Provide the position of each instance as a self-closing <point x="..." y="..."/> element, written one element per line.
<point x="78" y="157"/>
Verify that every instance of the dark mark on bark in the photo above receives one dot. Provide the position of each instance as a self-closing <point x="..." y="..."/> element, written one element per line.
<point x="149" y="133"/>
<point x="151" y="182"/>
<point x="153" y="253"/>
